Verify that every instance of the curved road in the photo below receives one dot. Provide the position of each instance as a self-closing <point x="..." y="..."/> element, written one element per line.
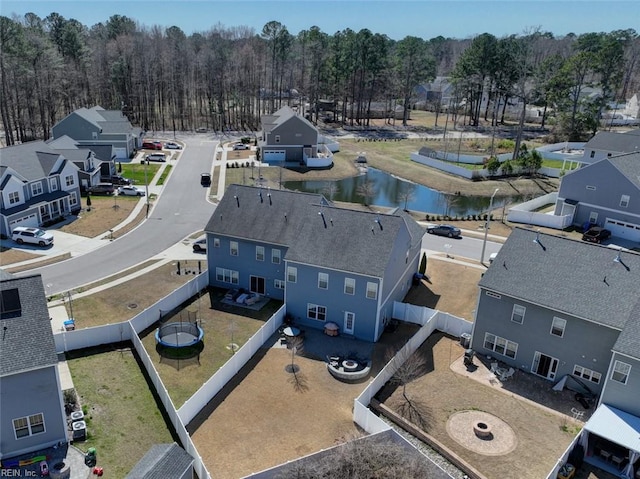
<point x="181" y="209"/>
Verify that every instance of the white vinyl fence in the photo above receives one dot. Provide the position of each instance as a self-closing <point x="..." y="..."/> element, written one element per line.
<point x="430" y="320"/>
<point x="525" y="213"/>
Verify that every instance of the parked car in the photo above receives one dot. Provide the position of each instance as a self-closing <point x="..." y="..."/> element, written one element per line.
<point x="240" y="146"/>
<point x="130" y="191"/>
<point x="202" y="129"/>
<point x="161" y="157"/>
<point x="205" y="179"/>
<point x="444" y="230"/>
<point x="172" y="145"/>
<point x="102" y="189"/>
<point x="152" y="145"/>
<point x="24" y="234"/>
<point x="596" y="234"/>
<point x="200" y="246"/>
<point x="118" y="180"/>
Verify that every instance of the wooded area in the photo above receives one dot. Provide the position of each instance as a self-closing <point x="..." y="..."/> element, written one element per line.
<point x="226" y="78"/>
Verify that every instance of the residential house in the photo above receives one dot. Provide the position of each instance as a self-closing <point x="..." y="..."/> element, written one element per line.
<point x="32" y="413"/>
<point x="326" y="263"/>
<point x="606" y="193"/>
<point x="289" y="137"/>
<point x="163" y="461"/>
<point x="37" y="184"/>
<point x="566" y="309"/>
<point x="84" y="158"/>
<point x="606" y="144"/>
<point x="97" y="126"/>
<point x="632" y="107"/>
<point x="438" y="92"/>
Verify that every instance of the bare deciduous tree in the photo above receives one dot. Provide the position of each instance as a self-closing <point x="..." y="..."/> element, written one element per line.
<point x="410" y="367"/>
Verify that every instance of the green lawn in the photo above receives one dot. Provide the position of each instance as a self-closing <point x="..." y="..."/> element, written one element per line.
<point x="163" y="176"/>
<point x="122" y="416"/>
<point x="136" y="173"/>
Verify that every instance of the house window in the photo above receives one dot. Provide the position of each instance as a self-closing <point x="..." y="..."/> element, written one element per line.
<point x="53" y="184"/>
<point x="28" y="426"/>
<point x="227" y="276"/>
<point x="587" y="374"/>
<point x="278" y="283"/>
<point x="73" y="199"/>
<point x="216" y="242"/>
<point x="372" y="290"/>
<point x="557" y="326"/>
<point x="624" y="201"/>
<point x="517" y="315"/>
<point x="275" y="256"/>
<point x="233" y="248"/>
<point x="36" y="188"/>
<point x="593" y="217"/>
<point x="500" y="345"/>
<point x="94" y="135"/>
<point x="277" y="138"/>
<point x="292" y="274"/>
<point x="316" y="312"/>
<point x="621" y="372"/>
<point x="593" y="154"/>
<point x="323" y="281"/>
<point x="14" y="197"/>
<point x="68" y="180"/>
<point x="259" y="253"/>
<point x="349" y="286"/>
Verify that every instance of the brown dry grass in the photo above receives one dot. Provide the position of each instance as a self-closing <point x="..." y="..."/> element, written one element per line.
<point x="116" y="304"/>
<point x="11" y="255"/>
<point x="541" y="436"/>
<point x="38" y="264"/>
<point x="102" y="217"/>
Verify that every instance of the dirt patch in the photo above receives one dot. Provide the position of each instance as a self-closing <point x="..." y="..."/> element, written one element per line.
<point x="105" y="214"/>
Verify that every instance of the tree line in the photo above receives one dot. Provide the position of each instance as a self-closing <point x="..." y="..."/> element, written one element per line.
<point x="228" y="77"/>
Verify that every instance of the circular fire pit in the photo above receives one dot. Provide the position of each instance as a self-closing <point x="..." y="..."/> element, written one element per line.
<point x="482" y="430"/>
<point x="349" y="364"/>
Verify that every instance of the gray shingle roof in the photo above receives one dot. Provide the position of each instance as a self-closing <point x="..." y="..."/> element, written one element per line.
<point x="615" y="142"/>
<point x="350" y="241"/>
<point x="27" y="342"/>
<point x="629" y="340"/>
<point x="569" y="276"/>
<point x="32" y="160"/>
<point x="162" y="461"/>
<point x="629" y="165"/>
<point x="269" y="122"/>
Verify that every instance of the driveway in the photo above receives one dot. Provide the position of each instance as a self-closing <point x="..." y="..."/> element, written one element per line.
<point x="180" y="210"/>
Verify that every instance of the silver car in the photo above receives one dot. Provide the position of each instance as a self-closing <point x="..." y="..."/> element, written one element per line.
<point x="444" y="230"/>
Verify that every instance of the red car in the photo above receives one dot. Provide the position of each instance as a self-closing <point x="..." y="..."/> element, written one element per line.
<point x="152" y="145"/>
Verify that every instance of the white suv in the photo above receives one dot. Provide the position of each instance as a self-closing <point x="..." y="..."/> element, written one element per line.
<point x="22" y="234"/>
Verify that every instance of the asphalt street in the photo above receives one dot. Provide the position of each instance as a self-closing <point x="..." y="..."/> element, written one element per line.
<point x="179" y="211"/>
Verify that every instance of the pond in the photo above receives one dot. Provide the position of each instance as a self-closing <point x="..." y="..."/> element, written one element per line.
<point x="391" y="191"/>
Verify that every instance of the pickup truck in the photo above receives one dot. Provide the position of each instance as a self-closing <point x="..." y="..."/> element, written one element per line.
<point x="596" y="234"/>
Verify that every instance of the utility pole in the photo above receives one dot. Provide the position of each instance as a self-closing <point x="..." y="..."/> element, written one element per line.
<point x="486" y="226"/>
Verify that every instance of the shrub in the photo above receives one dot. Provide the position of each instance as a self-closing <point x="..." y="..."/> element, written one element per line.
<point x="506" y="144"/>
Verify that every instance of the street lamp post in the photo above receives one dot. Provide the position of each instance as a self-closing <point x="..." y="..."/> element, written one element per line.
<point x="486" y="225"/>
<point x="146" y="187"/>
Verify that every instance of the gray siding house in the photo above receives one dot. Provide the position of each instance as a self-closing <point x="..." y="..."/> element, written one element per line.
<point x="325" y="263"/>
<point x="564" y="309"/>
<point x="606" y="144"/>
<point x="289" y="137"/>
<point x="84" y="158"/>
<point x="37" y="184"/>
<point x="32" y="413"/>
<point x="97" y="126"/>
<point x="606" y="193"/>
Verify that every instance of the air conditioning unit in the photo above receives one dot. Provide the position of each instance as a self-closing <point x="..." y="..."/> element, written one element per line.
<point x="77" y="416"/>
<point x="79" y="430"/>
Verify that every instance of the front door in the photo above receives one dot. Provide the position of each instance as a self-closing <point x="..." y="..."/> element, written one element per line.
<point x="257" y="285"/>
<point x="544" y="366"/>
<point x="349" y="322"/>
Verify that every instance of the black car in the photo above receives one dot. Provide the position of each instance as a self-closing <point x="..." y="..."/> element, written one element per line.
<point x="596" y="234"/>
<point x="444" y="230"/>
<point x="205" y="179"/>
<point x="120" y="180"/>
<point x="200" y="246"/>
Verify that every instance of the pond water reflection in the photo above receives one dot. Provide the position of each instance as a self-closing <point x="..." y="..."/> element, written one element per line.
<point x="390" y="191"/>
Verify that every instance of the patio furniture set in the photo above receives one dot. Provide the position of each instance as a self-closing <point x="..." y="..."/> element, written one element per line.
<point x="500" y="372"/>
<point x="240" y="296"/>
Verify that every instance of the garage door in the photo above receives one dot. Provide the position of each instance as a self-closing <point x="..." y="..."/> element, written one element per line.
<point x="272" y="155"/>
<point x="29" y="221"/>
<point x="120" y="153"/>
<point x="620" y="229"/>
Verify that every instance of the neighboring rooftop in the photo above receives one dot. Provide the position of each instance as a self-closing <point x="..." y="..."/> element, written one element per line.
<point x="617" y="142"/>
<point x="162" y="461"/>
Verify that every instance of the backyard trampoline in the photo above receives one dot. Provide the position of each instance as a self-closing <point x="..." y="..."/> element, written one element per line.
<point x="179" y="335"/>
